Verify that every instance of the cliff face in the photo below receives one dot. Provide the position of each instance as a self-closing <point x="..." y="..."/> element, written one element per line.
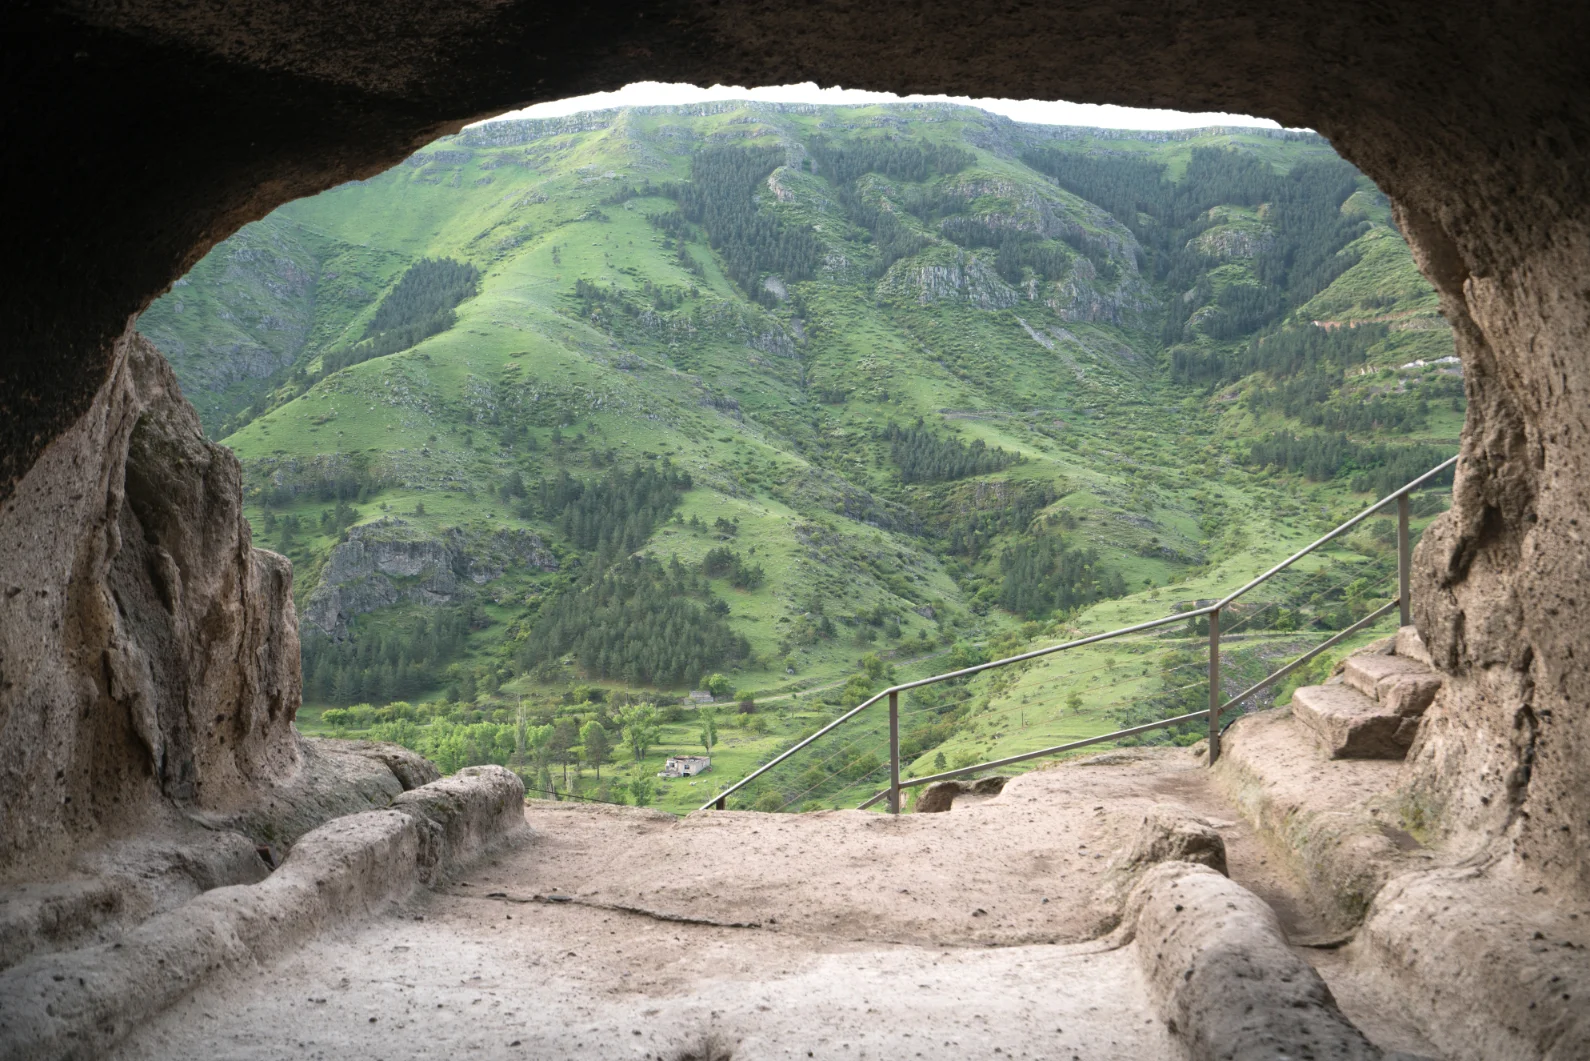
<point x="148" y="654"/>
<point x="388" y="561"/>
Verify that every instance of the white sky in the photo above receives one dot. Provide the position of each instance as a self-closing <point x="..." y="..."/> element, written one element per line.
<point x="656" y="93"/>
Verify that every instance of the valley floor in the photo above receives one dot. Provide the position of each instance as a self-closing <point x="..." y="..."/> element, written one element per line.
<point x="622" y="932"/>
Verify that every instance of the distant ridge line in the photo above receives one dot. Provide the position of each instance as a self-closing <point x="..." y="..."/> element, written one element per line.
<point x="508" y="132"/>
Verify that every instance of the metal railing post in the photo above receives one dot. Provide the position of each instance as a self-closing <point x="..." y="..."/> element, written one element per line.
<point x="894" y="753"/>
<point x="1404" y="561"/>
<point x="1214" y="686"/>
<point x="721" y="804"/>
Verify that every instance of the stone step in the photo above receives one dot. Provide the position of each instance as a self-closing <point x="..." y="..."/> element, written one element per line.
<point x="1379" y="677"/>
<point x="1349" y="725"/>
<point x="1411" y="645"/>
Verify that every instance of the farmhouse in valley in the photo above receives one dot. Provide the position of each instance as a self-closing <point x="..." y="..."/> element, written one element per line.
<point x="686" y="765"/>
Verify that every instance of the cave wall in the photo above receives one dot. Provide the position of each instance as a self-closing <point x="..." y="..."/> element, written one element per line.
<point x="1502" y="581"/>
<point x="151" y="129"/>
<point x="148" y="654"/>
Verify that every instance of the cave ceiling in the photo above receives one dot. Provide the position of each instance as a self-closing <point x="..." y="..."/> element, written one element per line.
<point x="142" y="132"/>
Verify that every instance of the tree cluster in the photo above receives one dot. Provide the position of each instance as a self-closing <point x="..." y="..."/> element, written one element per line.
<point x="639" y="621"/>
<point x="1303" y="213"/>
<point x="844" y="161"/>
<point x="419" y="306"/>
<point x="922" y="456"/>
<point x="721" y="197"/>
<point x="970" y="532"/>
<point x="612" y="516"/>
<point x="1377" y="468"/>
<point x="1021" y="253"/>
<point x="1308" y="351"/>
<point x="1044" y="575"/>
<point x="595" y="299"/>
<point x="723" y="562"/>
<point x="337" y="477"/>
<point x="383" y="665"/>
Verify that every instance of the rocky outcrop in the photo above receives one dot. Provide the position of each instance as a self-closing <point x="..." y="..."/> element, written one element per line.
<point x="1501" y="588"/>
<point x="963" y="277"/>
<point x="1081" y="297"/>
<point x="940" y="796"/>
<point x="149" y="677"/>
<point x="1499" y="967"/>
<point x="970" y="277"/>
<point x="1168" y="835"/>
<point x="264" y="277"/>
<point x="1233" y="241"/>
<point x="389" y="561"/>
<point x="149" y="653"/>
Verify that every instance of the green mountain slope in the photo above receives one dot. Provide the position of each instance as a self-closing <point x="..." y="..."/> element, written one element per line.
<point x="558" y="416"/>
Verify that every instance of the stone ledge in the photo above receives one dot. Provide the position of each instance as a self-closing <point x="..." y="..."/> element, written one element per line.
<point x="77" y="1004"/>
<point x="410" y="768"/>
<point x="462" y="817"/>
<point x="1498" y="963"/>
<point x="108" y="889"/>
<point x="1322" y="812"/>
<point x="1221" y="974"/>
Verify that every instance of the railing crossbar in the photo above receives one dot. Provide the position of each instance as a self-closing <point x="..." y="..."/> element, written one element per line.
<point x="1040" y="753"/>
<point x="1368" y="620"/>
<point x="964" y="672"/>
<point x="1338" y="532"/>
<point x="1340" y="636"/>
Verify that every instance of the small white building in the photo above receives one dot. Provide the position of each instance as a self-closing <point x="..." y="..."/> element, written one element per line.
<point x="685" y="765"/>
<point x="698" y="696"/>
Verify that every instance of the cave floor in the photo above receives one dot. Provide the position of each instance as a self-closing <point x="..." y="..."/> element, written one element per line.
<point x="621" y="932"/>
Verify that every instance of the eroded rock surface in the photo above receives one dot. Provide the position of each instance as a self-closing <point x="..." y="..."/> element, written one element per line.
<point x="149" y="677"/>
<point x="623" y="932"/>
<point x="1219" y="969"/>
<point x="1475" y="126"/>
<point x="76" y="1005"/>
<point x="940" y="796"/>
<point x="150" y="654"/>
<point x="145" y="650"/>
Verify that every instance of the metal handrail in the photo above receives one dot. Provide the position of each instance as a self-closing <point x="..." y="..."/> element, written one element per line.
<point x="1216" y="707"/>
<point x="1368" y="620"/>
<point x="1396" y="495"/>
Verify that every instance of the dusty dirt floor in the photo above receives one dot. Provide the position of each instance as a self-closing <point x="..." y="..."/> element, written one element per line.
<point x="625" y="933"/>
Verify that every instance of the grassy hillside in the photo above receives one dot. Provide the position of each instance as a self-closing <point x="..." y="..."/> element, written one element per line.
<point x="561" y="418"/>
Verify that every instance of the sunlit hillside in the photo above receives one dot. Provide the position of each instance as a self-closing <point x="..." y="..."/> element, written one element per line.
<point x="560" y="421"/>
